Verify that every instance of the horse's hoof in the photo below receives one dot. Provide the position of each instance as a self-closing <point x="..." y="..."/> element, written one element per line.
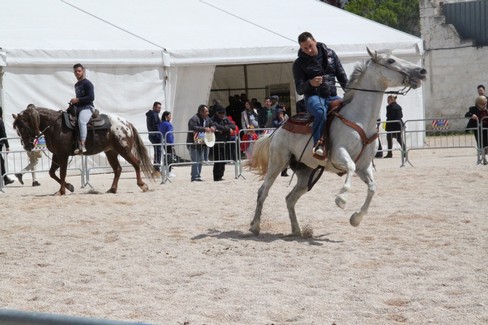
<point x="341" y="203"/>
<point x="356" y="219"/>
<point x="112" y="190"/>
<point x="297" y="234"/>
<point x="58" y="193"/>
<point x="255" y="230"/>
<point x="144" y="187"/>
<point x="70" y="187"/>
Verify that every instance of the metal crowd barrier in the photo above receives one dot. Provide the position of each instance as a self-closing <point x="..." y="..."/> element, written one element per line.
<point x="245" y="145"/>
<point x="180" y="157"/>
<point x="414" y="135"/>
<point x="19" y="160"/>
<point x="448" y="137"/>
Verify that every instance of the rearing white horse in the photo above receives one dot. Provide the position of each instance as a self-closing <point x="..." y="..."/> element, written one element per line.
<point x="351" y="148"/>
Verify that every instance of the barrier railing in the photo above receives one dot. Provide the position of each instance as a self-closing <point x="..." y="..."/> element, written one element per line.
<point x="483" y="138"/>
<point x="173" y="154"/>
<point x="235" y="152"/>
<point x="19" y="160"/>
<point x="245" y="144"/>
<point x="439" y="138"/>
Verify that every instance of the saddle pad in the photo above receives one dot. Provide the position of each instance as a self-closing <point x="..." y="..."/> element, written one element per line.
<point x="299" y="123"/>
<point x="102" y="122"/>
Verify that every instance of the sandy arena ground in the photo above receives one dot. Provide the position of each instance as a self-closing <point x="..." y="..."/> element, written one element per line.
<point x="182" y="254"/>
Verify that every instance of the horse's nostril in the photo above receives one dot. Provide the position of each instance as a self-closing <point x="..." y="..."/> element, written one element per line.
<point x="423" y="72"/>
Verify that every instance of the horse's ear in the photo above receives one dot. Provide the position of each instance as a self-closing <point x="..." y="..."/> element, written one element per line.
<point x="14" y="116"/>
<point x="371" y="54"/>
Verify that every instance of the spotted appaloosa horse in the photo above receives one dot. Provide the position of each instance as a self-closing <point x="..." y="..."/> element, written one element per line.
<point x="121" y="138"/>
<point x="353" y="138"/>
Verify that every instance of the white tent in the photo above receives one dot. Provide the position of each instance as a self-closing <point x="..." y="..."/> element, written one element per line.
<point x="173" y="51"/>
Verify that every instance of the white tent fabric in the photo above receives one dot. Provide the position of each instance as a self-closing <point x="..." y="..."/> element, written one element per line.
<point x="172" y="51"/>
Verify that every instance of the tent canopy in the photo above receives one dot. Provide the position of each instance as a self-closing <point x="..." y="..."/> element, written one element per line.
<point x="165" y="50"/>
<point x="188" y="31"/>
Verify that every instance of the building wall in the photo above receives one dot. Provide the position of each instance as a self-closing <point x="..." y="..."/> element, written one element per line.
<point x="455" y="66"/>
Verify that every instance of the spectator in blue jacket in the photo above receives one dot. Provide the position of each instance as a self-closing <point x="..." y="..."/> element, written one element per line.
<point x="166" y="129"/>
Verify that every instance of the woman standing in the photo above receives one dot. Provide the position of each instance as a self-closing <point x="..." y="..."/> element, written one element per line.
<point x="394" y="124"/>
<point x="166" y="129"/>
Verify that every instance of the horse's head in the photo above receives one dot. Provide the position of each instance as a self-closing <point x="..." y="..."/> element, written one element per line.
<point x="26" y="123"/>
<point x="398" y="72"/>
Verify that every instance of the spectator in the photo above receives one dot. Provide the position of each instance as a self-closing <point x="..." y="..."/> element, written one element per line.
<point x="394" y="124"/>
<point x="275" y="106"/>
<point x="249" y="117"/>
<point x="379" y="152"/>
<point x="33" y="157"/>
<point x="481" y="91"/>
<point x="4" y="141"/>
<point x="478" y="119"/>
<point x="222" y="151"/>
<point x="265" y="115"/>
<point x="166" y="129"/>
<point x="152" y="123"/>
<point x="198" y="124"/>
<point x="235" y="108"/>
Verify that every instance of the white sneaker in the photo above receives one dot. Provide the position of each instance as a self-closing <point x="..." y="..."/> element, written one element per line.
<point x="80" y="150"/>
<point x="319" y="151"/>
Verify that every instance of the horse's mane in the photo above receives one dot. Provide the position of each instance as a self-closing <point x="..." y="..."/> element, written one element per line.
<point x="356" y="75"/>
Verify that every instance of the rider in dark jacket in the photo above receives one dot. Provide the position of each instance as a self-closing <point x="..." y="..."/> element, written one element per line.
<point x="315" y="72"/>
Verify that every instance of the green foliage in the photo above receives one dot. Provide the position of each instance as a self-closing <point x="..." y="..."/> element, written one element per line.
<point x="399" y="14"/>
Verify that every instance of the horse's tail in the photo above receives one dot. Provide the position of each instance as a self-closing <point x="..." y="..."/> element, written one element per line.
<point x="260" y="156"/>
<point x="146" y="165"/>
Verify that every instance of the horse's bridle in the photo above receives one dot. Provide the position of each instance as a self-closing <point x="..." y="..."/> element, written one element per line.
<point x="406" y="80"/>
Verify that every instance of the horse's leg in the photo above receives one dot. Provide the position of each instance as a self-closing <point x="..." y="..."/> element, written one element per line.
<point x="350" y="166"/>
<point x="62" y="163"/>
<point x="126" y="153"/>
<point x="114" y="163"/>
<point x="276" y="165"/>
<point x="303" y="174"/>
<point x="366" y="176"/>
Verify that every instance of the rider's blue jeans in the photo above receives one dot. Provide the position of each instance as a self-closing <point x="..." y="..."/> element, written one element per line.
<point x="317" y="107"/>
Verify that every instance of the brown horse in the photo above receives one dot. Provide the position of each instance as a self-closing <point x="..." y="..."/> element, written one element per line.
<point x="121" y="138"/>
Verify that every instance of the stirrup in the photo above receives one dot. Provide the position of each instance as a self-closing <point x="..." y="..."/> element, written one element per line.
<point x="319" y="150"/>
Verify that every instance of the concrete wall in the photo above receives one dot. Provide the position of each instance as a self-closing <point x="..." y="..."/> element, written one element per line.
<point x="455" y="66"/>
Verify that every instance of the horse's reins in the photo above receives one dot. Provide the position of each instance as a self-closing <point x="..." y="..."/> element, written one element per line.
<point x="391" y="92"/>
<point x="36" y="138"/>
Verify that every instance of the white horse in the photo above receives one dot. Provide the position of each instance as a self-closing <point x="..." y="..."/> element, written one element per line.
<point x="352" y="145"/>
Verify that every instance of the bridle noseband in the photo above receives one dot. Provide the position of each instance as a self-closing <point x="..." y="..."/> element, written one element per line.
<point x="406" y="81"/>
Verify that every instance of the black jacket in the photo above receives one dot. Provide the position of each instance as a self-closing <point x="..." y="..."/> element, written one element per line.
<point x="3" y="134"/>
<point x="307" y="67"/>
<point x="223" y="128"/>
<point x="473" y="110"/>
<point x="152" y="122"/>
<point x="394" y="113"/>
<point x="196" y="124"/>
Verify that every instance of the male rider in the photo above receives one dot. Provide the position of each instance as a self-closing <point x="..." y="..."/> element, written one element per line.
<point x="315" y="71"/>
<point x="85" y="95"/>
